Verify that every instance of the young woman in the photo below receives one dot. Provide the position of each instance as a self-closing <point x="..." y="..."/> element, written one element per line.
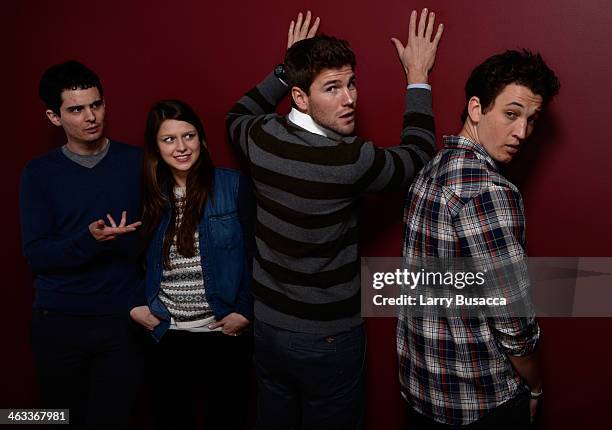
<point x="198" y="223"/>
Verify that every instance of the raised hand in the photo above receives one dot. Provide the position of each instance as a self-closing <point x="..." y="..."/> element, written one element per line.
<point x="419" y="54"/>
<point x="103" y="233"/>
<point x="298" y="29"/>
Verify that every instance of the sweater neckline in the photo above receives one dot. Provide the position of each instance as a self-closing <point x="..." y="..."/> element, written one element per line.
<point x="109" y="153"/>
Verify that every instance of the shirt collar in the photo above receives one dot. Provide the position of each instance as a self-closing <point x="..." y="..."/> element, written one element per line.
<point x="462" y="142"/>
<point x="306" y="122"/>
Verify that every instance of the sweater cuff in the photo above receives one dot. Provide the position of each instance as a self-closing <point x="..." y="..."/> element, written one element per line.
<point x="418" y="100"/>
<point x="87" y="244"/>
<point x="273" y="89"/>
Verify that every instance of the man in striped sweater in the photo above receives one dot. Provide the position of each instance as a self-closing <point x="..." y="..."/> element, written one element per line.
<point x="309" y="172"/>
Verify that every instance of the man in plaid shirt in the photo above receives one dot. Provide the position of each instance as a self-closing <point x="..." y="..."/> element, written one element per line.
<point x="475" y="371"/>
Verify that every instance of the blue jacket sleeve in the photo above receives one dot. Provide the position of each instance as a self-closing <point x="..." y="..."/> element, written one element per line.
<point x="42" y="247"/>
<point x="246" y="214"/>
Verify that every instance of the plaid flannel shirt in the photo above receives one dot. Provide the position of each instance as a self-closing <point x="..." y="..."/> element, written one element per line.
<point x="455" y="370"/>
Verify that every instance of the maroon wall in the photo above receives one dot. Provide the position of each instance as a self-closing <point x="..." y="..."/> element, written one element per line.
<point x="208" y="53"/>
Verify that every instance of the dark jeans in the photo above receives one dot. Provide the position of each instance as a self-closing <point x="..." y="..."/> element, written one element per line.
<point x="88" y="364"/>
<point x="186" y="368"/>
<point x="309" y="381"/>
<point x="511" y="415"/>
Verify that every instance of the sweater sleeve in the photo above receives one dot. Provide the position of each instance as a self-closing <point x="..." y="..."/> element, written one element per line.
<point x="254" y="105"/>
<point x="395" y="167"/>
<point x="42" y="247"/>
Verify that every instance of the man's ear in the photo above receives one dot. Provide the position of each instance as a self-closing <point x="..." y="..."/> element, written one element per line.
<point x="53" y="117"/>
<point x="300" y="98"/>
<point x="474" y="109"/>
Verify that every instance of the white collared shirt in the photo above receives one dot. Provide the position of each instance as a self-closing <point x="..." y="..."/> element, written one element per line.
<point x="305" y="121"/>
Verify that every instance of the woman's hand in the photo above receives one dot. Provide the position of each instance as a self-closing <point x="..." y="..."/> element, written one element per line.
<point x="143" y="316"/>
<point x="232" y="324"/>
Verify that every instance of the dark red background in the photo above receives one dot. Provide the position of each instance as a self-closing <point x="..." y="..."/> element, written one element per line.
<point x="208" y="53"/>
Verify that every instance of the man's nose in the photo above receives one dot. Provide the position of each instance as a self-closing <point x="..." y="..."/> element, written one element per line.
<point x="521" y="129"/>
<point x="349" y="98"/>
<point x="90" y="115"/>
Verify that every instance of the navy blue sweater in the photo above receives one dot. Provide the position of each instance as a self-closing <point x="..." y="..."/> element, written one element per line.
<point x="59" y="198"/>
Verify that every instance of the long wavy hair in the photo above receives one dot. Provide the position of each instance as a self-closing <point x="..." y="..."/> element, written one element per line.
<point x="159" y="183"/>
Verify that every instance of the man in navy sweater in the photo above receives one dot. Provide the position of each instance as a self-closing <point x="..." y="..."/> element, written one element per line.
<point x="86" y="263"/>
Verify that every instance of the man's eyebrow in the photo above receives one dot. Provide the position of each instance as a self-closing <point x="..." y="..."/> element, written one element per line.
<point x="332" y="81"/>
<point x="337" y="80"/>
<point x="74" y="107"/>
<point x="515" y="104"/>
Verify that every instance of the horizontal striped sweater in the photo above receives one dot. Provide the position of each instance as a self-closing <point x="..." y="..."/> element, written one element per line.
<point x="307" y="186"/>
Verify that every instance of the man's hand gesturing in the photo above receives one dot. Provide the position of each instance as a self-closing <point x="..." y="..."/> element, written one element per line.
<point x="103" y="233"/>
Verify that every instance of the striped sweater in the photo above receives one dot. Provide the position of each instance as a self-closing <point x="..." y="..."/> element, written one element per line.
<point x="306" y="269"/>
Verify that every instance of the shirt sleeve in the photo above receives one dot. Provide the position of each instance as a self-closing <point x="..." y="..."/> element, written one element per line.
<point x="491" y="229"/>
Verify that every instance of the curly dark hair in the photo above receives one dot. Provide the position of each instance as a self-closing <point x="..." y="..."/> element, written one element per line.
<point x="522" y="67"/>
<point x="306" y="58"/>
<point x="70" y="75"/>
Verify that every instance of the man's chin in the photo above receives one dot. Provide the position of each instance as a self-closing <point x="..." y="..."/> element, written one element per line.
<point x="504" y="159"/>
<point x="93" y="139"/>
<point x="346" y="131"/>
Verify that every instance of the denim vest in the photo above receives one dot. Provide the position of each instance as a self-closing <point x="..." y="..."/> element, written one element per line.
<point x="226" y="243"/>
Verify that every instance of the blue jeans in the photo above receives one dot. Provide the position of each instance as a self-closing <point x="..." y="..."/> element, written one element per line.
<point x="309" y="381"/>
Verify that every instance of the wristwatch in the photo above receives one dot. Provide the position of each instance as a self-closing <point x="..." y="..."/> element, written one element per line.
<point x="279" y="72"/>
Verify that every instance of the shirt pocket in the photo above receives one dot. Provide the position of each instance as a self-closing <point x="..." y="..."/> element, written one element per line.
<point x="225" y="230"/>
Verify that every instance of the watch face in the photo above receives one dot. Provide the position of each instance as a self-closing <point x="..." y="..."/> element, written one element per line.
<point x="279" y="71"/>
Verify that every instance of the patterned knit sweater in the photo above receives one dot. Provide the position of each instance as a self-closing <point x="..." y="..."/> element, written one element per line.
<point x="182" y="286"/>
<point x="306" y="270"/>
